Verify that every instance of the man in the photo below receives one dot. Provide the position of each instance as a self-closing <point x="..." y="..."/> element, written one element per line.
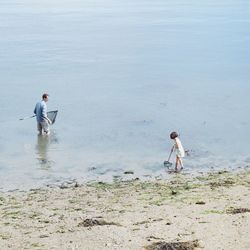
<point x="41" y="115"/>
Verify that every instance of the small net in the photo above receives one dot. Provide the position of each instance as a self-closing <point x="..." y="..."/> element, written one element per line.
<point x="167" y="164"/>
<point x="52" y="115"/>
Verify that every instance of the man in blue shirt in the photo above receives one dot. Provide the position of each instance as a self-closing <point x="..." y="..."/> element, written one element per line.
<point x="41" y="115"/>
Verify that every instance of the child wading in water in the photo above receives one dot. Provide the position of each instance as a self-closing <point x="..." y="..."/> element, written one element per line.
<point x="179" y="150"/>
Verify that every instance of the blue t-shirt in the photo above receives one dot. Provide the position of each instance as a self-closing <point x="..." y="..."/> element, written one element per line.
<point x="41" y="111"/>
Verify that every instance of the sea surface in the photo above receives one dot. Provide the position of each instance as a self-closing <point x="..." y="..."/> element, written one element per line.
<point x="122" y="75"/>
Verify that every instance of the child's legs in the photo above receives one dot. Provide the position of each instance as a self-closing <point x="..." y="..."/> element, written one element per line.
<point x="178" y="162"/>
<point x="181" y="163"/>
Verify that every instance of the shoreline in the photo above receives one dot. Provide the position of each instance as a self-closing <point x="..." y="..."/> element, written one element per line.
<point x="208" y="211"/>
<point x="127" y="175"/>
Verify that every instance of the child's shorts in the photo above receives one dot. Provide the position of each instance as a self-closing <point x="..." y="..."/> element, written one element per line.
<point x="179" y="153"/>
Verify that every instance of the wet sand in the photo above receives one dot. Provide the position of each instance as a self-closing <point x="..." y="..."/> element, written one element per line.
<point x="210" y="211"/>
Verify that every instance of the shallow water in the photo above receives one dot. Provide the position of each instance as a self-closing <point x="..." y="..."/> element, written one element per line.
<point x="123" y="75"/>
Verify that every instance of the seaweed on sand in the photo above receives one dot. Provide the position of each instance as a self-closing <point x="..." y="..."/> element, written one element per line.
<point x="188" y="245"/>
<point x="237" y="210"/>
<point x="95" y="222"/>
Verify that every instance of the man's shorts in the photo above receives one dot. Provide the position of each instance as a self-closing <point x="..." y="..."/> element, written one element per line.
<point x="43" y="126"/>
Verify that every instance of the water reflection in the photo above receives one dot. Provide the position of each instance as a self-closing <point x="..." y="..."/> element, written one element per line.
<point x="43" y="148"/>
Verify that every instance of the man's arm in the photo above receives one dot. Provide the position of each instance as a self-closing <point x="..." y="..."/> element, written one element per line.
<point x="35" y="110"/>
<point x="44" y="114"/>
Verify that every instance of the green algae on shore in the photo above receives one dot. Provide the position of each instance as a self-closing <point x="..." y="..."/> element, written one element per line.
<point x="137" y="206"/>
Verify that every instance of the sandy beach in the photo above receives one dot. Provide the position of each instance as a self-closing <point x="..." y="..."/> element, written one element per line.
<point x="209" y="211"/>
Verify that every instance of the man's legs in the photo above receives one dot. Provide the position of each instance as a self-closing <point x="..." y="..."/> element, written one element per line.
<point x="45" y="127"/>
<point x="39" y="128"/>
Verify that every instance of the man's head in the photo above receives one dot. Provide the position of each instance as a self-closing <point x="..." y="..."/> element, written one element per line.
<point x="45" y="97"/>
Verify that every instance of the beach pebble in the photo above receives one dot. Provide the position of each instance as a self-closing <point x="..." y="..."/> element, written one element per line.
<point x="201" y="244"/>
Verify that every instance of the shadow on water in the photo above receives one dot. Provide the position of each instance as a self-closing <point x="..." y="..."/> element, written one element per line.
<point x="42" y="150"/>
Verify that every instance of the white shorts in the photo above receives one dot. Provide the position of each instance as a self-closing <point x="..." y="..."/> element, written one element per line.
<point x="180" y="153"/>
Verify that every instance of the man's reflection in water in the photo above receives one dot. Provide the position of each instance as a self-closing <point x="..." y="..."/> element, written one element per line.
<point x="42" y="149"/>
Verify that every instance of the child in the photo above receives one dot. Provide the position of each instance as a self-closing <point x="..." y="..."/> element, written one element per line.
<point x="180" y="153"/>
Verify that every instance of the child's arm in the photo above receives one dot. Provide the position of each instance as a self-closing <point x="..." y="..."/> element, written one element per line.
<point x="177" y="143"/>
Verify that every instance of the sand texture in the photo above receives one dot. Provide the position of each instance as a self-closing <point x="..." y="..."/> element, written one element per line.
<point x="210" y="211"/>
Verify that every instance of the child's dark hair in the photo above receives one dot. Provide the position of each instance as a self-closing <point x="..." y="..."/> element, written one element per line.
<point x="173" y="135"/>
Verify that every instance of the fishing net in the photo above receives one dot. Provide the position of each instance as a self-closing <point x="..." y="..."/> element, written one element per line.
<point x="52" y="115"/>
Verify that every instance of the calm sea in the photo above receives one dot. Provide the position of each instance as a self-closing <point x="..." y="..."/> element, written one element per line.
<point x="123" y="75"/>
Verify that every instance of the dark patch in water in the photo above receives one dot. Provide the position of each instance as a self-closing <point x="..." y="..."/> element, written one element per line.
<point x="143" y="122"/>
<point x="103" y="169"/>
<point x="91" y="168"/>
<point x="247" y="160"/>
<point x="128" y="172"/>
